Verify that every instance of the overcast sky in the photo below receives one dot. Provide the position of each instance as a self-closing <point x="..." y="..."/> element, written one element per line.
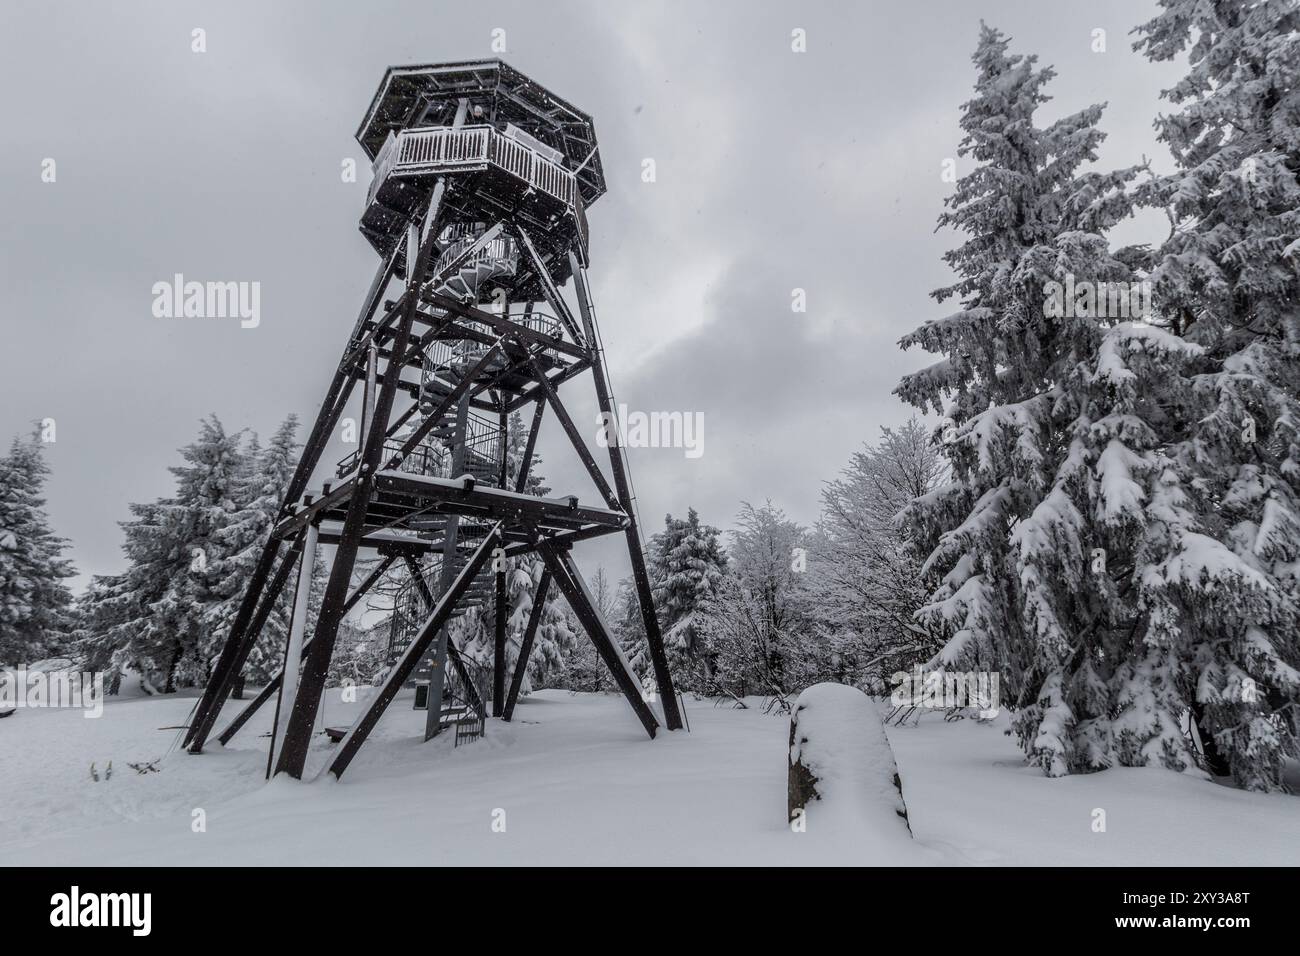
<point x="775" y="170"/>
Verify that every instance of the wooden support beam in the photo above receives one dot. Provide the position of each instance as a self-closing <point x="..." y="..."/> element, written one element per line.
<point x="549" y="288"/>
<point x="499" y="623"/>
<point x="563" y="539"/>
<point x="521" y="483"/>
<point x="340" y="389"/>
<point x="574" y="588"/>
<point x="499" y="641"/>
<point x="373" y="332"/>
<point x="368" y="394"/>
<point x="338" y="494"/>
<point x="454" y="327"/>
<point x="575" y="439"/>
<point x="203" y="720"/>
<point x="293" y="650"/>
<point x="434" y="418"/>
<point x="298" y="731"/>
<point x="453" y="652"/>
<point x="444" y="648"/>
<point x="640" y="576"/>
<point x="526" y="645"/>
<point x="537" y="393"/>
<point x="274" y="683"/>
<point x="504" y="326"/>
<point x="465" y="496"/>
<point x="399" y="673"/>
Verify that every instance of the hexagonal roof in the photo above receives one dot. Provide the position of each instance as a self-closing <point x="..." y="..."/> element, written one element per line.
<point x="415" y="95"/>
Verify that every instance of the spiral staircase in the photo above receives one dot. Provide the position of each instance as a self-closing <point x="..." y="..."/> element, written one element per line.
<point x="461" y="443"/>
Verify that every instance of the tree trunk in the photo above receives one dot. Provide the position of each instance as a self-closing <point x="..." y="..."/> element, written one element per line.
<point x="169" y="686"/>
<point x="1216" y="761"/>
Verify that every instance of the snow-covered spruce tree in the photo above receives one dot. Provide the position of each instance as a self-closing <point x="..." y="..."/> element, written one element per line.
<point x="258" y="493"/>
<point x="864" y="580"/>
<point x="628" y="628"/>
<point x="583" y="668"/>
<point x="556" y="634"/>
<point x="35" y="604"/>
<point x="1040" y="543"/>
<point x="755" y="624"/>
<point x="603" y="594"/>
<point x="150" y="617"/>
<point x="361" y="655"/>
<point x="1223" y="596"/>
<point x="686" y="562"/>
<point x="553" y="643"/>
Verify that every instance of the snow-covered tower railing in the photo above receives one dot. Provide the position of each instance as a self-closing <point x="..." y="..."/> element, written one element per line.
<point x="477" y="210"/>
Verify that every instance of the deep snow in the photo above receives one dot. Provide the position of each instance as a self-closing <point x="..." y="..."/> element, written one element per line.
<point x="579" y="783"/>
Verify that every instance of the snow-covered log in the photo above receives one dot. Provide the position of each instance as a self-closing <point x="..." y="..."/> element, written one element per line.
<point x="841" y="759"/>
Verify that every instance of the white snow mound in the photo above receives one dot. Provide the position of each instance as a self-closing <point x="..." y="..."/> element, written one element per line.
<point x="837" y="736"/>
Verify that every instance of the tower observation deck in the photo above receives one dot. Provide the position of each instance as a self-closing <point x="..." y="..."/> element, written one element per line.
<point x="509" y="148"/>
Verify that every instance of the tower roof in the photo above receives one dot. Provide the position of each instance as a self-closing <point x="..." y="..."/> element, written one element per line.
<point x="408" y="93"/>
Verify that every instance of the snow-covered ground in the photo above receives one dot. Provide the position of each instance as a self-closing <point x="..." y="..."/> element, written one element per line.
<point x="579" y="783"/>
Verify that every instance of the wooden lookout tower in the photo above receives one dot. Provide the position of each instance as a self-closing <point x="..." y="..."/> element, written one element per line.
<point x="477" y="212"/>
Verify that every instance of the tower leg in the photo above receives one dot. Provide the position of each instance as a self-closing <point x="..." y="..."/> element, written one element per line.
<point x="438" y="657"/>
<point x="570" y="582"/>
<point x="298" y="732"/>
<point x="658" y="658"/>
<point x="443" y="651"/>
<point x="526" y="646"/>
<point x="499" y="628"/>
<point x="233" y="653"/>
<point x="273" y="685"/>
<point x="521" y="483"/>
<point x="297" y="627"/>
<point x="239" y="644"/>
<point x="499" y="646"/>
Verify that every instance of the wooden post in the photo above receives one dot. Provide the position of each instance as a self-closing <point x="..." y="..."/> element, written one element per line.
<point x="273" y="684"/>
<point x="297" y="738"/>
<point x="446" y="571"/>
<point x="297" y="627"/>
<point x="575" y="589"/>
<point x="499" y="628"/>
<point x="526" y="646"/>
<point x="576" y="440"/>
<point x="203" y="721"/>
<point x="521" y="483"/>
<point x="499" y="640"/>
<point x="654" y="638"/>
<point x="368" y="395"/>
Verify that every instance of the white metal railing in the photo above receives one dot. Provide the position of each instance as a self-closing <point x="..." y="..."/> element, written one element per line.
<point x="383" y="165"/>
<point x="443" y="145"/>
<point x="440" y="146"/>
<point x="502" y="248"/>
<point x="532" y="167"/>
